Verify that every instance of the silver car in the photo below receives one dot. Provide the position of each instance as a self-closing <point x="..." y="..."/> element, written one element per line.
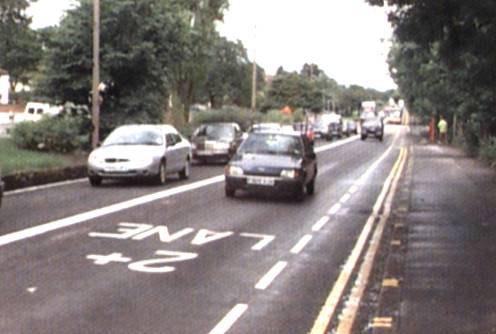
<point x="140" y="151"/>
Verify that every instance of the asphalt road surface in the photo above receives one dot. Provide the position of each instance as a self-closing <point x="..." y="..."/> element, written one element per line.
<point x="129" y="257"/>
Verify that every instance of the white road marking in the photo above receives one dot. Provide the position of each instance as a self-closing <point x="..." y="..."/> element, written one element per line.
<point x="345" y="198"/>
<point x="266" y="239"/>
<point x="353" y="189"/>
<point x="32" y="289"/>
<point x="301" y="244"/>
<point x="102" y="260"/>
<point x="320" y="224"/>
<point x="332" y="301"/>
<point x="336" y="144"/>
<point x="226" y="323"/>
<point x="334" y="209"/>
<point x="271" y="275"/>
<point x="85" y="216"/>
<point x="42" y="187"/>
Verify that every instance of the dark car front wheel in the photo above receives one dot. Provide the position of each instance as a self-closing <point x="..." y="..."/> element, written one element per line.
<point x="95" y="180"/>
<point x="230" y="191"/>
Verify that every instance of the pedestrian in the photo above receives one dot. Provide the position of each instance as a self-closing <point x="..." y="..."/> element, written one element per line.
<point x="443" y="130"/>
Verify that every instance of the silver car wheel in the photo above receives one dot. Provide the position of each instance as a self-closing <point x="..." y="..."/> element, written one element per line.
<point x="185" y="173"/>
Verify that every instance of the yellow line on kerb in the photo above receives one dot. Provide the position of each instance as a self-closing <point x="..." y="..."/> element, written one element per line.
<point x="332" y="301"/>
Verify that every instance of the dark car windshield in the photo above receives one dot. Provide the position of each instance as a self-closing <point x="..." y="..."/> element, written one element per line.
<point x="270" y="143"/>
<point x="134" y="136"/>
<point x="216" y="131"/>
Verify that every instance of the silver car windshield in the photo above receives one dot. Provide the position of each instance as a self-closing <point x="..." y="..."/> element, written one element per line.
<point x="134" y="136"/>
<point x="269" y="143"/>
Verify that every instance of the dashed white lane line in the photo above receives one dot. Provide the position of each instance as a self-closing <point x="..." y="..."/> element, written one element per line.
<point x="271" y="275"/>
<point x="320" y="223"/>
<point x="344" y="198"/>
<point x="334" y="209"/>
<point x="353" y="189"/>
<point x="301" y="244"/>
<point x="226" y="323"/>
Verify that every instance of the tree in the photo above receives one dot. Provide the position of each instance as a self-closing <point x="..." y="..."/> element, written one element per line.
<point x="20" y="48"/>
<point x="444" y="59"/>
<point x="229" y="75"/>
<point x="141" y="41"/>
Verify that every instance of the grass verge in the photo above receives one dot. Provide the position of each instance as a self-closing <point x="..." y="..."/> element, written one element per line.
<point x="13" y="159"/>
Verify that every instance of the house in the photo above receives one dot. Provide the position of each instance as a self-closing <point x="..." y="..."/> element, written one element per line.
<point x="4" y="87"/>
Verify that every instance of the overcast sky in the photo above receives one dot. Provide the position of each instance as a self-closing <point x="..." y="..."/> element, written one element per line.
<point x="348" y="39"/>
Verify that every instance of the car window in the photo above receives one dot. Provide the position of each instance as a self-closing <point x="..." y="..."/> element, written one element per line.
<point x="134" y="136"/>
<point x="216" y="131"/>
<point x="170" y="139"/>
<point x="268" y="143"/>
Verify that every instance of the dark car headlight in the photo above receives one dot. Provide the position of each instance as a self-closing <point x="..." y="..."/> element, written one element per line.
<point x="290" y="173"/>
<point x="234" y="171"/>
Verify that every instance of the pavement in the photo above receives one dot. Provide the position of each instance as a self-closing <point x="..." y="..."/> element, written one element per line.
<point x="440" y="276"/>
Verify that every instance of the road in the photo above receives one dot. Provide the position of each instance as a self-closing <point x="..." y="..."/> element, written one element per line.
<point x="183" y="258"/>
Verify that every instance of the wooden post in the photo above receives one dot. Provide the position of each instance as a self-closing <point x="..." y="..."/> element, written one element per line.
<point x="95" y="101"/>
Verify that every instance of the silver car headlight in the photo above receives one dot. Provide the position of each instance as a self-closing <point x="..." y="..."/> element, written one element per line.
<point x="289" y="173"/>
<point x="234" y="171"/>
<point x="96" y="159"/>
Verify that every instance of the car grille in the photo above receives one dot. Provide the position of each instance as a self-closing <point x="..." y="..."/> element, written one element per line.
<point x="263" y="171"/>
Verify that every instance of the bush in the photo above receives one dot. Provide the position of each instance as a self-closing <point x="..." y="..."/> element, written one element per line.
<point x="63" y="133"/>
<point x="244" y="117"/>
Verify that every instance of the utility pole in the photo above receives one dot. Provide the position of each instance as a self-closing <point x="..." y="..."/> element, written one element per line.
<point x="95" y="100"/>
<point x="254" y="75"/>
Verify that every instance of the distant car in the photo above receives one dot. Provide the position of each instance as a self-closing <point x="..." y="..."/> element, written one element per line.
<point x="280" y="162"/>
<point x="350" y="127"/>
<point x="372" y="126"/>
<point x="2" y="187"/>
<point x="216" y="141"/>
<point x="265" y="126"/>
<point x="140" y="151"/>
<point x="334" y="130"/>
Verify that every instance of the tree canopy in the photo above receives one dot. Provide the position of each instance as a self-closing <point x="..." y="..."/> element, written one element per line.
<point x="444" y="60"/>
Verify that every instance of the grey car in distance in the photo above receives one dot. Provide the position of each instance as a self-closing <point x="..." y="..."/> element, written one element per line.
<point x="140" y="151"/>
<point x="216" y="141"/>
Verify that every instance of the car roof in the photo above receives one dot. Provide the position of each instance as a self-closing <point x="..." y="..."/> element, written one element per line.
<point x="166" y="128"/>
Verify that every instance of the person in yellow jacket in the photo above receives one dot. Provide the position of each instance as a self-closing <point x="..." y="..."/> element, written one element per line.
<point x="442" y="126"/>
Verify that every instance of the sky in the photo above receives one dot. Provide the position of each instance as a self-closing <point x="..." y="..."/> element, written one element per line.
<point x="348" y="39"/>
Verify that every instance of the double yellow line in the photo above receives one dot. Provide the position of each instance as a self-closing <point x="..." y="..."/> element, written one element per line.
<point x="384" y="201"/>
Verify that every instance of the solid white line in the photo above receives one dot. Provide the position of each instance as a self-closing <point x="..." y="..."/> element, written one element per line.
<point x="85" y="216"/>
<point x="226" y="323"/>
<point x="320" y="224"/>
<point x="336" y="144"/>
<point x="42" y="187"/>
<point x="301" y="244"/>
<point x="271" y="275"/>
<point x="334" y="209"/>
<point x="332" y="301"/>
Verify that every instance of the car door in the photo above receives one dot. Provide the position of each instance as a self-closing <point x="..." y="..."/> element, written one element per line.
<point x="172" y="153"/>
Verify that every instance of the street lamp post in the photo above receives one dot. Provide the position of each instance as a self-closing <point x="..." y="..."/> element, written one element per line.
<point x="95" y="101"/>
